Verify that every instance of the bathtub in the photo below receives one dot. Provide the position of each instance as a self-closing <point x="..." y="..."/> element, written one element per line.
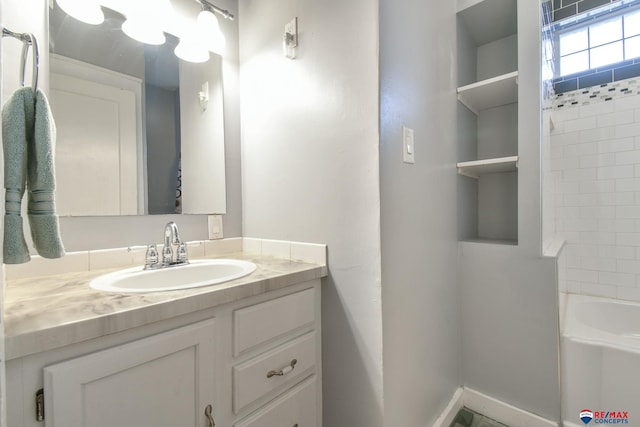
<point x="600" y="360"/>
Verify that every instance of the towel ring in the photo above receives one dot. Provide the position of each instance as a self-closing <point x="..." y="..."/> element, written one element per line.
<point x="27" y="39"/>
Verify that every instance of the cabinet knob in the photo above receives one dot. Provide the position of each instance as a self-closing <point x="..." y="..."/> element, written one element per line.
<point x="207" y="413"/>
<point x="283" y="371"/>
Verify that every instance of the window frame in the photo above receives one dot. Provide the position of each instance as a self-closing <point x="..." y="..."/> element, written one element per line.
<point x="587" y="22"/>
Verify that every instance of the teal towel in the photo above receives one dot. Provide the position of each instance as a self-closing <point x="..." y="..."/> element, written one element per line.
<point x="28" y="134"/>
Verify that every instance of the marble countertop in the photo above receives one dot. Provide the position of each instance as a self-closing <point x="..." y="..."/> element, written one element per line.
<point x="43" y="313"/>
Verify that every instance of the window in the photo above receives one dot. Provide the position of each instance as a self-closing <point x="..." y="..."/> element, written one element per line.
<point x="600" y="43"/>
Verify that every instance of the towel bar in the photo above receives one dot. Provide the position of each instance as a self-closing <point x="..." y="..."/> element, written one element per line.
<point x="27" y="40"/>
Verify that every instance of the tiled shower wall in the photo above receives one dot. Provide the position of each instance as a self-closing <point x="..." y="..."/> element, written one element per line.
<point x="595" y="167"/>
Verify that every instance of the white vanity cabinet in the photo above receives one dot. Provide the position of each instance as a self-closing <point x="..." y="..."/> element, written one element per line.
<point x="165" y="380"/>
<point x="237" y="357"/>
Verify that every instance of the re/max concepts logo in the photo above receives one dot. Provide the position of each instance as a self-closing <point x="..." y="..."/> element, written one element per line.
<point x="604" y="417"/>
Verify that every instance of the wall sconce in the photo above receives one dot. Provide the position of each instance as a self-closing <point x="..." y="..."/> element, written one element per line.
<point x="147" y="21"/>
<point x="204" y="96"/>
<point x="290" y="39"/>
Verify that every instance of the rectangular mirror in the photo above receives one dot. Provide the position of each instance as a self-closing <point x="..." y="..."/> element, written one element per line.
<point x="139" y="131"/>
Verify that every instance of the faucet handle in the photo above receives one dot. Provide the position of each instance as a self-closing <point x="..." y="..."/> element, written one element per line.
<point x="167" y="255"/>
<point x="151" y="257"/>
<point x="181" y="254"/>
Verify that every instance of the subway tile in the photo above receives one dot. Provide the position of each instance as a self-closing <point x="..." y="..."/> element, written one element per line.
<point x="628" y="239"/>
<point x="595" y="109"/>
<point x="580" y="275"/>
<point x="564" y="12"/>
<point x="598" y="160"/>
<point x="626" y="102"/>
<point x="617" y="145"/>
<point x="629" y="294"/>
<point x="599" y="134"/>
<point x="582" y="250"/>
<point x="580" y="174"/>
<point x="598" y="264"/>
<point x="599" y="212"/>
<point x="617" y="279"/>
<point x="573" y="286"/>
<point x="619" y="252"/>
<point x="567" y="138"/>
<point x="560" y="164"/>
<point x="576" y="150"/>
<point x="598" y="237"/>
<point x="630" y="212"/>
<point x="580" y="124"/>
<point x="627" y="184"/>
<point x="597" y="186"/>
<point x="616" y="118"/>
<point x="598" y="290"/>
<point x="557" y="4"/>
<point x="626" y="72"/>
<point x="585" y="224"/>
<point x="585" y="5"/>
<point x="628" y="266"/>
<point x="609" y="200"/>
<point x="559" y="116"/>
<point x="568" y="2"/>
<point x="628" y="130"/>
<point x="615" y="172"/>
<point x="595" y="79"/>
<point x="579" y="199"/>
<point x="627" y="157"/>
<point x="567" y="212"/>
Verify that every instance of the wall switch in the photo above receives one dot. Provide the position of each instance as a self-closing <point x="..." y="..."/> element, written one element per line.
<point x="215" y="227"/>
<point x="408" y="149"/>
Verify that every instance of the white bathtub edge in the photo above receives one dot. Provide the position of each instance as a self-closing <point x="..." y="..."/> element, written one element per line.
<point x="449" y="414"/>
<point x="501" y="411"/>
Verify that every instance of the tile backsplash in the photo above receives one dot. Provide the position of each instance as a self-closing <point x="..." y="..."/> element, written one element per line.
<point x="595" y="165"/>
<point x="134" y="256"/>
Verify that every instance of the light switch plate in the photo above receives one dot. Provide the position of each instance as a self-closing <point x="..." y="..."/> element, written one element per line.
<point x="408" y="146"/>
<point x="215" y="227"/>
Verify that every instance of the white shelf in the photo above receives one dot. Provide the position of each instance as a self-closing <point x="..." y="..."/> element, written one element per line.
<point x="476" y="168"/>
<point x="493" y="92"/>
<point x="488" y="20"/>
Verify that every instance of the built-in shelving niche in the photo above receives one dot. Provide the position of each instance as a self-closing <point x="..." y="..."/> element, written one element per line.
<point x="487" y="121"/>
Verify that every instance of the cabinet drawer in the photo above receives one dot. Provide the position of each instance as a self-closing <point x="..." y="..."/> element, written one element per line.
<point x="296" y="408"/>
<point x="262" y="322"/>
<point x="250" y="380"/>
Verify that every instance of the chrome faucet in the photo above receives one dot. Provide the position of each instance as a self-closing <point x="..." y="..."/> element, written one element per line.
<point x="171" y="237"/>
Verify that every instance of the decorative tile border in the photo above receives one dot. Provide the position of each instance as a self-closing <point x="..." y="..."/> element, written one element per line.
<point x="595" y="94"/>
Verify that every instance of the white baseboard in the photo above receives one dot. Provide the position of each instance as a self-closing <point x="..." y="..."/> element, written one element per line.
<point x="502" y="412"/>
<point x="448" y="415"/>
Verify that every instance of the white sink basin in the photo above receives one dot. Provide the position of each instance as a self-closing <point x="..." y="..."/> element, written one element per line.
<point x="195" y="274"/>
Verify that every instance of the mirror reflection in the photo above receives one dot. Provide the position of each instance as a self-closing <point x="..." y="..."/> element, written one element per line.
<point x="136" y="133"/>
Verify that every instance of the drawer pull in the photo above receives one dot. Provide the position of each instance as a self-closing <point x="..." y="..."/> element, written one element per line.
<point x="283" y="371"/>
<point x="207" y="413"/>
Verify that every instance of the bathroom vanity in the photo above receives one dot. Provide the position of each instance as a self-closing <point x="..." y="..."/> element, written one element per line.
<point x="245" y="353"/>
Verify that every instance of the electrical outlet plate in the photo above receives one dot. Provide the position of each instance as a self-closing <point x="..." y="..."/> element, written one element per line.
<point x="215" y="227"/>
<point x="292" y="29"/>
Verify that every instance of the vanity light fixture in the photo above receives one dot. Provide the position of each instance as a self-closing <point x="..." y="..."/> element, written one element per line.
<point x="147" y="21"/>
<point x="209" y="29"/>
<point x="87" y="11"/>
<point x="140" y="27"/>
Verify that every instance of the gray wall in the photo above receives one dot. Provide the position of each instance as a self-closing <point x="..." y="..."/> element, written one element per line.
<point x="310" y="173"/>
<point x="509" y="293"/>
<point x="420" y="294"/>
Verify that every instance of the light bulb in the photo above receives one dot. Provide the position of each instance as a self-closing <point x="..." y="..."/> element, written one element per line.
<point x="87" y="11"/>
<point x="139" y="29"/>
<point x="191" y="51"/>
<point x="209" y="32"/>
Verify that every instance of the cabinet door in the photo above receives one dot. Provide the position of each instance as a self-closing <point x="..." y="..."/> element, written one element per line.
<point x="166" y="380"/>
